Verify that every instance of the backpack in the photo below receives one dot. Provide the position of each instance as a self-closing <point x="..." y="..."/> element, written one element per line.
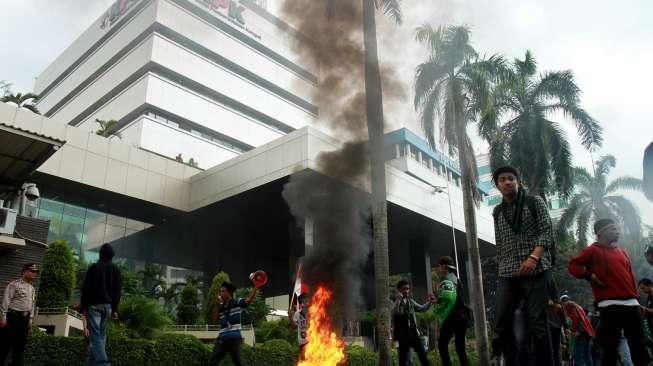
<point x="530" y="205"/>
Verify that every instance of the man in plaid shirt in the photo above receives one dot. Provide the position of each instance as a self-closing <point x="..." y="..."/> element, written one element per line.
<point x="524" y="241"/>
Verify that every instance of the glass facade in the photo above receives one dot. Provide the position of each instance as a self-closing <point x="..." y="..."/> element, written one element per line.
<point x="84" y="229"/>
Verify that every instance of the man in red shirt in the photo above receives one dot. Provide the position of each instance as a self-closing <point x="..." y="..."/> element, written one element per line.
<point x="608" y="269"/>
<point x="581" y="330"/>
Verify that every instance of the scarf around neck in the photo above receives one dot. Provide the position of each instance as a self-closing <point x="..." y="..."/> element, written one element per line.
<point x="516" y="220"/>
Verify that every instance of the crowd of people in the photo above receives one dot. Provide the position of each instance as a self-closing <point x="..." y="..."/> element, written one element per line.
<point x="535" y="324"/>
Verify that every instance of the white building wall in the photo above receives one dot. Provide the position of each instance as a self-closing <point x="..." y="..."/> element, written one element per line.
<point x="125" y="102"/>
<point x="182" y="102"/>
<point x="232" y="85"/>
<point x="131" y="134"/>
<point x="170" y="142"/>
<point x="108" y="81"/>
<point x="190" y="26"/>
<point x="121" y="39"/>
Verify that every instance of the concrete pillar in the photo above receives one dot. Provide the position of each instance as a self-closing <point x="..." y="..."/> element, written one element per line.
<point x="420" y="269"/>
<point x="419" y="156"/>
<point x="407" y="150"/>
<point x="397" y="151"/>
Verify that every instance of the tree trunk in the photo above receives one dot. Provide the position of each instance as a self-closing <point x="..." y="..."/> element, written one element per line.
<point x="374" y="98"/>
<point x="475" y="273"/>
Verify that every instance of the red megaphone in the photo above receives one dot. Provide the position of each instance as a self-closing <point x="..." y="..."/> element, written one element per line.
<point x="259" y="278"/>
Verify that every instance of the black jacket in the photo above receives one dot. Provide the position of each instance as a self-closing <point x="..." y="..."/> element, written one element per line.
<point x="101" y="286"/>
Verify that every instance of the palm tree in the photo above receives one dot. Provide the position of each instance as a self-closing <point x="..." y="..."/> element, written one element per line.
<point x="4" y="87"/>
<point x="375" y="123"/>
<point x="26" y="101"/>
<point x="107" y="128"/>
<point x="597" y="198"/>
<point x="453" y="86"/>
<point x="529" y="140"/>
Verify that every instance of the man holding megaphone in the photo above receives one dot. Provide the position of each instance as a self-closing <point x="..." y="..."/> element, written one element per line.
<point x="230" y="314"/>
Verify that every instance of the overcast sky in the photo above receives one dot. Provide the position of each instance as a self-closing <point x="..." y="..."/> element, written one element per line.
<point x="607" y="44"/>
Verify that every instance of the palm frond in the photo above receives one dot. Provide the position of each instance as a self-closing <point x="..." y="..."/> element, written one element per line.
<point x="29" y="97"/>
<point x="498" y="156"/>
<point x="391" y="8"/>
<point x="582" y="225"/>
<point x="526" y="67"/>
<point x="575" y="205"/>
<point x="590" y="131"/>
<point x="31" y="107"/>
<point x="430" y="37"/>
<point x="629" y="214"/>
<point x="427" y="76"/>
<point x="605" y="164"/>
<point x="581" y="176"/>
<point x="560" y="158"/>
<point x="624" y="183"/>
<point x="559" y="85"/>
<point x="428" y="112"/>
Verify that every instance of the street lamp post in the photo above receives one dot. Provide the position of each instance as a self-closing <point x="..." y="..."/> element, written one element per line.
<point x="447" y="191"/>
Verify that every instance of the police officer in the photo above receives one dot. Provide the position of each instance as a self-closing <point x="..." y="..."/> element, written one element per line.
<point x="16" y="314"/>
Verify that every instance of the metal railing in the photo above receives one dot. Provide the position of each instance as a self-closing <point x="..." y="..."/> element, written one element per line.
<point x="58" y="311"/>
<point x="201" y="328"/>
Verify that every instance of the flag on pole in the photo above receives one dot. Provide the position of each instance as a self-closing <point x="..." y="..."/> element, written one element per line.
<point x="300" y="286"/>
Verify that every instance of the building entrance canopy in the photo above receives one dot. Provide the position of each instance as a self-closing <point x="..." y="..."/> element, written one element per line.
<point x="21" y="153"/>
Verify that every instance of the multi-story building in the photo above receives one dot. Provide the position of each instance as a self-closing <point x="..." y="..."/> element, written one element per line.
<point x="215" y="81"/>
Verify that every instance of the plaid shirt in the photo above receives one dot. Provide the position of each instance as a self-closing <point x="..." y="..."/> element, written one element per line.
<point x="513" y="249"/>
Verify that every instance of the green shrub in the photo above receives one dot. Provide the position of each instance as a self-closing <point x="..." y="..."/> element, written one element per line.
<point x="247" y="355"/>
<point x="359" y="356"/>
<point x="180" y="350"/>
<point x="57" y="277"/>
<point x="128" y="352"/>
<point x="45" y="350"/>
<point x="144" y="316"/>
<point x="278" y="329"/>
<point x="188" y="309"/>
<point x="275" y="352"/>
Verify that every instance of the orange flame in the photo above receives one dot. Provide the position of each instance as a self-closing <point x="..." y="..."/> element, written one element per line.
<point x="324" y="348"/>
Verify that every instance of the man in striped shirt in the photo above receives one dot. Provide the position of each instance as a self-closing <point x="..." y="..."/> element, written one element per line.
<point x="231" y="316"/>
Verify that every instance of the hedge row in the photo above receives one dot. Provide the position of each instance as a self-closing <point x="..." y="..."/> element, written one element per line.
<point x="168" y="350"/>
<point x="182" y="350"/>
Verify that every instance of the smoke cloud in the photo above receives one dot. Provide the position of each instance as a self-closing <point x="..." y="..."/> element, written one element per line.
<point x="337" y="213"/>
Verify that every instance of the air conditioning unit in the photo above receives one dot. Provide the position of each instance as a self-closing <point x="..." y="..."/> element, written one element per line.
<point x="7" y="220"/>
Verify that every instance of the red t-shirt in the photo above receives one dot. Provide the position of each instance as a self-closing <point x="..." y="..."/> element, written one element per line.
<point x="612" y="266"/>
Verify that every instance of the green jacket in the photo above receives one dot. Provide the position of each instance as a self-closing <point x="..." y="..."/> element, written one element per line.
<point x="447" y="297"/>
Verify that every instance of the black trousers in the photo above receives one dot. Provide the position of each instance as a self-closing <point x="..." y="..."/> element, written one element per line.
<point x="556" y="335"/>
<point x="614" y="320"/>
<point x="415" y="343"/>
<point x="224" y="346"/>
<point x="14" y="337"/>
<point x="454" y="326"/>
<point x="534" y="291"/>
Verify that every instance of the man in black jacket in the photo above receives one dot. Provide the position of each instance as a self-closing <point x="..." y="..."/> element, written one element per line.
<point x="405" y="323"/>
<point x="100" y="299"/>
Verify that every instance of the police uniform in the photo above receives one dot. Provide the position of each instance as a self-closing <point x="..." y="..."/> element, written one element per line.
<point x="17" y="308"/>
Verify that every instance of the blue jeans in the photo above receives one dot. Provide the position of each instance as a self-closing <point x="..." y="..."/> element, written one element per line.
<point x="583" y="351"/>
<point x="97" y="319"/>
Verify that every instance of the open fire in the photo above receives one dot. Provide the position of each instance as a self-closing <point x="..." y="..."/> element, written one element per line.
<point x="324" y="348"/>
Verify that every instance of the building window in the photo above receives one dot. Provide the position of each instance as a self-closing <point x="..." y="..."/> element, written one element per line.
<point x="84" y="229"/>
